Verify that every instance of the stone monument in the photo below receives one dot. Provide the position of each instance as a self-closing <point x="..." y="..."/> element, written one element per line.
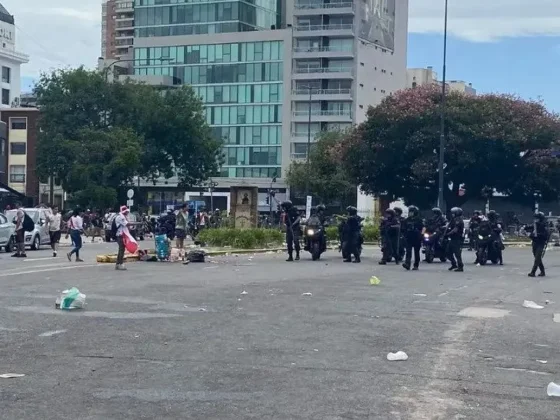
<point x="244" y="206"/>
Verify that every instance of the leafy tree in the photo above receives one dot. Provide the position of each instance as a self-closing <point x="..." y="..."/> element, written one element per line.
<point x="495" y="141"/>
<point x="151" y="132"/>
<point x="328" y="180"/>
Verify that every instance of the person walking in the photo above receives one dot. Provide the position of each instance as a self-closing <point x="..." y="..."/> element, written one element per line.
<point x="121" y="225"/>
<point x="455" y="232"/>
<point x="540" y="236"/>
<point x="20" y="233"/>
<point x="76" y="227"/>
<point x="54" y="220"/>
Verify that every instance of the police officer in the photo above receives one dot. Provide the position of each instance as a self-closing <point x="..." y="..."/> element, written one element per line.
<point x="435" y="225"/>
<point x="413" y="227"/>
<point x="540" y="236"/>
<point x="496" y="232"/>
<point x="455" y="231"/>
<point x="474" y="223"/>
<point x="293" y="229"/>
<point x="390" y="231"/>
<point x="351" y="236"/>
<point x="402" y="239"/>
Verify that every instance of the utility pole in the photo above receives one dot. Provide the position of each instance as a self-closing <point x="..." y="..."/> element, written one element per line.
<point x="308" y="166"/>
<point x="442" y="116"/>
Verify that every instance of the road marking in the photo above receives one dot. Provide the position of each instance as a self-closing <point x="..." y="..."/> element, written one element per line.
<point x="478" y="312"/>
<point x="92" y="314"/>
<point x="40" y="259"/>
<point x="51" y="333"/>
<point x="49" y="269"/>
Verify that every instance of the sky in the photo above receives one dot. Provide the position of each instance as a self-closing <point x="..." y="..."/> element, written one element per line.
<point x="507" y="46"/>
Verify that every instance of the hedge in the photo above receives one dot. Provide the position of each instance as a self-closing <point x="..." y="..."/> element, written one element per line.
<point x="241" y="238"/>
<point x="370" y="232"/>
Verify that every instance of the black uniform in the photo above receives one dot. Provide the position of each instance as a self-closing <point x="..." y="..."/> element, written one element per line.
<point x="413" y="226"/>
<point x="496" y="228"/>
<point x="474" y="224"/>
<point x="293" y="230"/>
<point x="401" y="244"/>
<point x="455" y="232"/>
<point x="351" y="236"/>
<point x="390" y="233"/>
<point x="540" y="236"/>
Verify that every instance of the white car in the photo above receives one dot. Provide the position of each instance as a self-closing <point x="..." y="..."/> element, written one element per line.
<point x="7" y="234"/>
<point x="40" y="235"/>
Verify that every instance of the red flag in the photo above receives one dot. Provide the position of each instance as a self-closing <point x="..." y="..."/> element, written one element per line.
<point x="129" y="242"/>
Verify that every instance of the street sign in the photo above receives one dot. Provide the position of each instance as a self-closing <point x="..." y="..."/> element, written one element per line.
<point x="130" y="193"/>
<point x="129" y="203"/>
<point x="308" y="206"/>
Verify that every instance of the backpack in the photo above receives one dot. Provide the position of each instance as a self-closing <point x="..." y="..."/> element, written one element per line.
<point x="28" y="225"/>
<point x="114" y="227"/>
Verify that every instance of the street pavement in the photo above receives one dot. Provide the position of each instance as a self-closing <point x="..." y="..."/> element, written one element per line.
<point x="167" y="341"/>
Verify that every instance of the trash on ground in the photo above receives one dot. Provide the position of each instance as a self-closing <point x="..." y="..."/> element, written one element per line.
<point x="11" y="375"/>
<point x="547" y="302"/>
<point x="244" y="292"/>
<point x="71" y="299"/>
<point x="544" y="362"/>
<point x="201" y="310"/>
<point x="374" y="281"/>
<point x="196" y="255"/>
<point x="553" y="390"/>
<point x="531" y="305"/>
<point x="315" y="349"/>
<point x="420" y="294"/>
<point x="51" y="333"/>
<point x="307" y="294"/>
<point x="394" y="357"/>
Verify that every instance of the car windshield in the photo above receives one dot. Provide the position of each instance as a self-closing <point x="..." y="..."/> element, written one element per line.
<point x="33" y="213"/>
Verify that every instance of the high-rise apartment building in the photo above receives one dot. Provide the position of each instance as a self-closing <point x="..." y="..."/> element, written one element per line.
<point x="262" y="69"/>
<point x="117" y="28"/>
<point x="421" y="77"/>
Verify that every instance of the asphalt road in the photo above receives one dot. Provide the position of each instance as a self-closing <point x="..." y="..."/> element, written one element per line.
<point x="167" y="341"/>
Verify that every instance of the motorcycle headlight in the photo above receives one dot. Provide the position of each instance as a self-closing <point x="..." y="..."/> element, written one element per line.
<point x="426" y="235"/>
<point x="310" y="232"/>
<point x="480" y="237"/>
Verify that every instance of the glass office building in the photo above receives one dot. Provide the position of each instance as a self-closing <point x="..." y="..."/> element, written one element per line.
<point x="188" y="17"/>
<point x="241" y="85"/>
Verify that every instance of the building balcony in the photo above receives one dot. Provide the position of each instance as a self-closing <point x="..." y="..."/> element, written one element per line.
<point x="333" y="30"/>
<point x="322" y="94"/>
<point x="322" y="52"/>
<point x="298" y="157"/>
<point x="314" y="73"/>
<point x="308" y="8"/>
<point x="121" y="36"/>
<point x="322" y="116"/>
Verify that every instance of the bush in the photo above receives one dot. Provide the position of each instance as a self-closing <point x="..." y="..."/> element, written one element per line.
<point x="370" y="232"/>
<point x="241" y="238"/>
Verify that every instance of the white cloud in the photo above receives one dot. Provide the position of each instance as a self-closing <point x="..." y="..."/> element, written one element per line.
<point x="68" y="32"/>
<point x="487" y="20"/>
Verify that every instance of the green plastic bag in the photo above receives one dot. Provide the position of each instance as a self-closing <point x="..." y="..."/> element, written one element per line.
<point x="72" y="299"/>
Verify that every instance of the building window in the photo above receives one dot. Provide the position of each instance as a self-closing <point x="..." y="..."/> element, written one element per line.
<point x="19" y="148"/>
<point x="6" y="74"/>
<point x="18" y="123"/>
<point x="5" y="96"/>
<point x="17" y="174"/>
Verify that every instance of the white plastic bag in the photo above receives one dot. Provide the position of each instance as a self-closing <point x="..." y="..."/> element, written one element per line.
<point x="72" y="299"/>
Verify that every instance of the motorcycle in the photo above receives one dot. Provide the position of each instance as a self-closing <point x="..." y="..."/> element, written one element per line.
<point x="314" y="237"/>
<point x="487" y="249"/>
<point x="432" y="247"/>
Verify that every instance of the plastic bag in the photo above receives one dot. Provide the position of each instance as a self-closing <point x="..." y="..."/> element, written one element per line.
<point x="72" y="299"/>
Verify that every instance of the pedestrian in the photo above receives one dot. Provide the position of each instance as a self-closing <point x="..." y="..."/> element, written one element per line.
<point x="413" y="227"/>
<point x="121" y="222"/>
<point x="293" y="229"/>
<point x="20" y="233"/>
<point x="455" y="232"/>
<point x="96" y="224"/>
<point x="540" y="236"/>
<point x="54" y="220"/>
<point x="76" y="228"/>
<point x="181" y="229"/>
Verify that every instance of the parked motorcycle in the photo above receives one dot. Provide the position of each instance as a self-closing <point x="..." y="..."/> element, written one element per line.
<point x="434" y="247"/>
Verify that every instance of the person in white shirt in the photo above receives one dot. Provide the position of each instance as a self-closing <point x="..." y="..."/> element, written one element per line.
<point x="55" y="221"/>
<point x="76" y="227"/>
<point x="121" y="222"/>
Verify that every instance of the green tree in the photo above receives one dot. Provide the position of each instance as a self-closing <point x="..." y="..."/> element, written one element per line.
<point x="152" y="133"/>
<point x="328" y="180"/>
<point x="496" y="141"/>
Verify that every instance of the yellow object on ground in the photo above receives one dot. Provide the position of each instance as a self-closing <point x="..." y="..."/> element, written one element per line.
<point x="374" y="281"/>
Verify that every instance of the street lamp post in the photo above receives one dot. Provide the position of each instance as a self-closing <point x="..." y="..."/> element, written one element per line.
<point x="211" y="186"/>
<point x="271" y="194"/>
<point x="442" y="115"/>
<point x="307" y="164"/>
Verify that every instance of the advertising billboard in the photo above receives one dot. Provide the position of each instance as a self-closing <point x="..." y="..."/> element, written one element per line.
<point x="377" y="22"/>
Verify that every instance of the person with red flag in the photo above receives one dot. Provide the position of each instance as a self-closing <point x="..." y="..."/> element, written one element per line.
<point x="124" y="238"/>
